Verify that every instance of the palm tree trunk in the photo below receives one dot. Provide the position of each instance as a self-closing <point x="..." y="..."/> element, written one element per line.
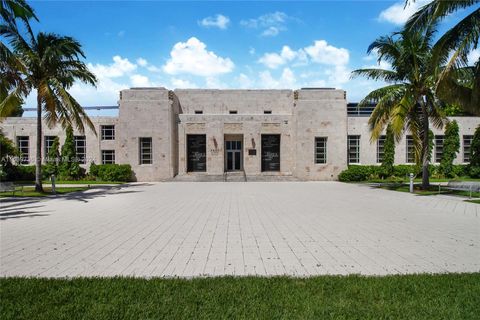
<point x="38" y="162"/>
<point x="425" y="148"/>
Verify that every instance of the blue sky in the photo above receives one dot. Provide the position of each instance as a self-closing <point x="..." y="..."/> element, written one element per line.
<point x="222" y="44"/>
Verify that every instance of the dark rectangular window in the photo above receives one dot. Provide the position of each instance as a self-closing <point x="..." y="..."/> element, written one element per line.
<point x="467" y="144"/>
<point x="410" y="150"/>
<point x="233" y="112"/>
<point x="81" y="149"/>
<point x="146" y="154"/>
<point x="196" y="153"/>
<point x="438" y="148"/>
<point x="267" y="111"/>
<point x="198" y="112"/>
<point x="380" y="148"/>
<point x="48" y="144"/>
<point x="108" y="132"/>
<point x="270" y="152"/>
<point x="353" y="145"/>
<point x="23" y="146"/>
<point x="108" y="156"/>
<point x="321" y="150"/>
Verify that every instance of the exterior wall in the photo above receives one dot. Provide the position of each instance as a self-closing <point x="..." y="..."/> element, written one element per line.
<point x="147" y="113"/>
<point x="169" y="116"/>
<point x="320" y="113"/>
<point x="368" y="149"/>
<point x="249" y="122"/>
<point x="13" y="127"/>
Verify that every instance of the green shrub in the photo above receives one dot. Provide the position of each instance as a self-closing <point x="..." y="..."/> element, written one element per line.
<point x="360" y="173"/>
<point x="111" y="172"/>
<point x="389" y="153"/>
<point x="475" y="155"/>
<point x="69" y="167"/>
<point x="451" y="146"/>
<point x="23" y="173"/>
<point x="404" y="170"/>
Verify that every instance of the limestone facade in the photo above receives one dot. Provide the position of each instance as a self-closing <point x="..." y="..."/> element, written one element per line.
<point x="192" y="132"/>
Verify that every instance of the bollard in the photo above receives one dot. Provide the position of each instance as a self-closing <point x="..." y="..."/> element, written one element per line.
<point x="53" y="184"/>
<point x="411" y="182"/>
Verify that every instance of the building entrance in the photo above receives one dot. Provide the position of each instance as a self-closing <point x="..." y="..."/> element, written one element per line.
<point x="233" y="155"/>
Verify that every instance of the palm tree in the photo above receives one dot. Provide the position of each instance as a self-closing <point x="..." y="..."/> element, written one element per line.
<point x="12" y="87"/>
<point x="408" y="102"/>
<point x="50" y="64"/>
<point x="452" y="49"/>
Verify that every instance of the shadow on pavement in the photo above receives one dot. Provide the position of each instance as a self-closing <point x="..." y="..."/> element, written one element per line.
<point x="22" y="207"/>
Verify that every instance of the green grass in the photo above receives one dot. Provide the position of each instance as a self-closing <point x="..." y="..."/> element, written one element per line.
<point x="448" y="296"/>
<point x="431" y="191"/>
<point x="30" y="191"/>
<point x="474" y="201"/>
<point x="432" y="180"/>
<point x="48" y="182"/>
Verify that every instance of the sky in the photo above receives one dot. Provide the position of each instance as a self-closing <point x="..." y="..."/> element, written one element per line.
<point x="223" y="44"/>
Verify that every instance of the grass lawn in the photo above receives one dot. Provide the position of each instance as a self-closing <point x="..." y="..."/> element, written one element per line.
<point x="448" y="296"/>
<point x="30" y="191"/>
<point x="417" y="180"/>
<point x="48" y="182"/>
<point x="474" y="201"/>
<point x="432" y="190"/>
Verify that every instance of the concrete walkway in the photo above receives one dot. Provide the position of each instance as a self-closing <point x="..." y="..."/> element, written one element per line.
<point x="196" y="229"/>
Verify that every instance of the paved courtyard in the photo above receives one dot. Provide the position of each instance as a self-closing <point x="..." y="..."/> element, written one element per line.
<point x="196" y="229"/>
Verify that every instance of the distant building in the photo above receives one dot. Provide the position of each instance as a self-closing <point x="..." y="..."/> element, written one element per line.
<point x="307" y="134"/>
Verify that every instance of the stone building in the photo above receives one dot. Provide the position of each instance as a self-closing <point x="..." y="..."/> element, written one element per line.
<point x="202" y="134"/>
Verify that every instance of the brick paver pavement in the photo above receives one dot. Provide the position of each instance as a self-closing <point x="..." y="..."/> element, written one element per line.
<point x="256" y="228"/>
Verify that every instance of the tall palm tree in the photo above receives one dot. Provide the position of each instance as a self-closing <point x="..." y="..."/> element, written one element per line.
<point x="408" y="102"/>
<point x="452" y="49"/>
<point x="12" y="87"/>
<point x="50" y="64"/>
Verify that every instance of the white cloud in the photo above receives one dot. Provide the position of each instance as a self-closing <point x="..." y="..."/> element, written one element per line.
<point x="271" y="24"/>
<point x="142" y="62"/>
<point x="138" y="80"/>
<point x="287" y="80"/>
<point x="118" y="68"/>
<point x="191" y="57"/>
<point x="398" y="13"/>
<point x="251" y="51"/>
<point x="244" y="81"/>
<point x="219" y="21"/>
<point x="473" y="56"/>
<point x="182" y="84"/>
<point x="121" y="33"/>
<point x="322" y="52"/>
<point x="274" y="60"/>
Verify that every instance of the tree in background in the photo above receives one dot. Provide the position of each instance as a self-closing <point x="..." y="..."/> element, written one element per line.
<point x="408" y="102"/>
<point x="53" y="158"/>
<point x="7" y="152"/>
<point x="69" y="167"/>
<point x="388" y="153"/>
<point x="451" y="146"/>
<point x="475" y="155"/>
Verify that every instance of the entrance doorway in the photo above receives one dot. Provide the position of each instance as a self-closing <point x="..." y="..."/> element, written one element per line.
<point x="270" y="152"/>
<point x="233" y="155"/>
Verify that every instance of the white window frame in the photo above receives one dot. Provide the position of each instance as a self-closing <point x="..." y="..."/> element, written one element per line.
<point x="81" y="148"/>
<point x="409" y="149"/>
<point x="356" y="151"/>
<point x="145" y="150"/>
<point x="108" y="132"/>
<point x="23" y="145"/>
<point x="108" y="156"/>
<point x="439" y="141"/>
<point x="381" y="149"/>
<point x="467" y="144"/>
<point x="321" y="155"/>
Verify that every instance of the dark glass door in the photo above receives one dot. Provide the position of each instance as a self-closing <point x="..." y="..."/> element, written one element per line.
<point x="233" y="154"/>
<point x="196" y="153"/>
<point x="270" y="152"/>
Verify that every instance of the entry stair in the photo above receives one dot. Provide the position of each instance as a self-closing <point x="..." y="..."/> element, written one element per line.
<point x="234" y="176"/>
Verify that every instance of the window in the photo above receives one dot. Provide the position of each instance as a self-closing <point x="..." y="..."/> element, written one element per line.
<point x="233" y="112"/>
<point x="108" y="156"/>
<point x="81" y="149"/>
<point x="48" y="144"/>
<point x="198" y="111"/>
<point x="438" y="148"/>
<point x="467" y="143"/>
<point x="146" y="151"/>
<point x="23" y="147"/>
<point x="353" y="149"/>
<point x="321" y="150"/>
<point x="267" y="112"/>
<point x="380" y="148"/>
<point x="410" y="157"/>
<point x="108" y="132"/>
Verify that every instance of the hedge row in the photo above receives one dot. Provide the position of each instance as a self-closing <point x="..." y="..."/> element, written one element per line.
<point x="364" y="173"/>
<point x="103" y="172"/>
